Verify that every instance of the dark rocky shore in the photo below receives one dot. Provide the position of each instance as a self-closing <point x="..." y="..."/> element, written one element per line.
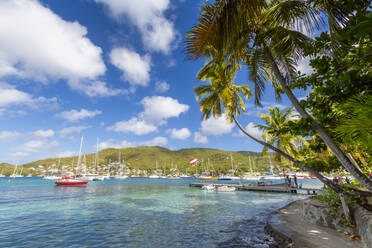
<point x="290" y="229"/>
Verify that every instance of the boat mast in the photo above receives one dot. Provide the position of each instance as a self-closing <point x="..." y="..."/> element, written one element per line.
<point x="232" y="164"/>
<point x="250" y="165"/>
<point x="79" y="158"/>
<point x="96" y="158"/>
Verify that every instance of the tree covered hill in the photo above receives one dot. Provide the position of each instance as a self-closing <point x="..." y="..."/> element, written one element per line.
<point x="145" y="158"/>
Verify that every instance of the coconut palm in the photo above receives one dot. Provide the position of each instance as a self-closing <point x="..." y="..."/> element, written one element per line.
<point x="262" y="37"/>
<point x="220" y="95"/>
<point x="275" y="121"/>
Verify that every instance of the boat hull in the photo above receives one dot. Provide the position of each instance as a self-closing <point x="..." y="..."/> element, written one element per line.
<point x="63" y="183"/>
<point x="208" y="178"/>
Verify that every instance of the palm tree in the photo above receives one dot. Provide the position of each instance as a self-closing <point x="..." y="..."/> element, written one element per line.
<point x="275" y="121"/>
<point x="220" y="95"/>
<point x="260" y="34"/>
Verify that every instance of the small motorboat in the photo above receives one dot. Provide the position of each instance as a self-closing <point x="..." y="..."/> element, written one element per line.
<point x="225" y="188"/>
<point x="70" y="181"/>
<point x="209" y="187"/>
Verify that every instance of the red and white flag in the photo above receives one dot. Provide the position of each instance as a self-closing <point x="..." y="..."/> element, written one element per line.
<point x="193" y="161"/>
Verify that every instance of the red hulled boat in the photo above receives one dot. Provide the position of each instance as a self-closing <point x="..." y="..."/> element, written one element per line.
<point x="70" y="181"/>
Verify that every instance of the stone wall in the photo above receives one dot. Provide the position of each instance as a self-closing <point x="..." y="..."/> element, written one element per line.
<point x="363" y="220"/>
<point x="319" y="213"/>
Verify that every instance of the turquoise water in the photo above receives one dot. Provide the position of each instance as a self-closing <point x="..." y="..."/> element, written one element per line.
<point x="132" y="213"/>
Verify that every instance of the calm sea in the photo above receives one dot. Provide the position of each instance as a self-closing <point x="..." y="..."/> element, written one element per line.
<point x="132" y="213"/>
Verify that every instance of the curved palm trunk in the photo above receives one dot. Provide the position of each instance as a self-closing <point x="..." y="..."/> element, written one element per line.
<point x="346" y="163"/>
<point x="323" y="179"/>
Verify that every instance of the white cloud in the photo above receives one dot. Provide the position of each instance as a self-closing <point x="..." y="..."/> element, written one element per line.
<point x="36" y="43"/>
<point x="136" y="69"/>
<point x="73" y="129"/>
<point x="44" y="133"/>
<point x="10" y="96"/>
<point x="181" y="134"/>
<point x="66" y="154"/>
<point x="303" y="65"/>
<point x="95" y="88"/>
<point x="110" y="143"/>
<point x="216" y="126"/>
<point x="162" y="87"/>
<point x="199" y="138"/>
<point x="158" y="109"/>
<point x="251" y="129"/>
<point x="157" y="141"/>
<point x="133" y="125"/>
<point x="33" y="146"/>
<point x="7" y="135"/>
<point x="158" y="33"/>
<point x="74" y="115"/>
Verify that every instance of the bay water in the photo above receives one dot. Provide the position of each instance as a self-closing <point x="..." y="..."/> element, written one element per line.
<point x="134" y="212"/>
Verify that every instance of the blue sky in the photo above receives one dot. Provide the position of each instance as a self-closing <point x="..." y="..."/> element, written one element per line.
<point x="108" y="69"/>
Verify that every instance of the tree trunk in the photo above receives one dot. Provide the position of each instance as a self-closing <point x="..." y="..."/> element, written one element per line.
<point x="346" y="163"/>
<point x="323" y="179"/>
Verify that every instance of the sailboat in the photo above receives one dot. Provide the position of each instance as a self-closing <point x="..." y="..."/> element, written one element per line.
<point x="121" y="168"/>
<point x="14" y="175"/>
<point x="53" y="176"/>
<point x="207" y="177"/>
<point x="71" y="180"/>
<point x="155" y="175"/>
<point x="229" y="177"/>
<point x="251" y="176"/>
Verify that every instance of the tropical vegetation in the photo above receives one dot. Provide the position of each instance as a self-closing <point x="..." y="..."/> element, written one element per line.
<point x="268" y="37"/>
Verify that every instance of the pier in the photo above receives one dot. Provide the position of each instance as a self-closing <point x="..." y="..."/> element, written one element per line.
<point x="280" y="188"/>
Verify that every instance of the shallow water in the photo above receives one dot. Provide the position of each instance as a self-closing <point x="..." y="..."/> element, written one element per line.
<point x="132" y="213"/>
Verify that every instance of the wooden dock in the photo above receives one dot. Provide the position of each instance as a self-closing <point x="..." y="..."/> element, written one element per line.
<point x="264" y="188"/>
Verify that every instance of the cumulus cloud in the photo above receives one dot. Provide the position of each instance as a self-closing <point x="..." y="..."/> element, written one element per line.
<point x="110" y="143"/>
<point x="135" y="68"/>
<point x="75" y="115"/>
<point x="66" y="154"/>
<point x="44" y="133"/>
<point x="73" y="129"/>
<point x="7" y="135"/>
<point x="158" y="33"/>
<point x="133" y="125"/>
<point x="38" y="43"/>
<point x="251" y="129"/>
<point x="181" y="134"/>
<point x="10" y="96"/>
<point x="199" y="138"/>
<point x="158" y="109"/>
<point x="157" y="141"/>
<point x="216" y="126"/>
<point x="162" y="87"/>
<point x="95" y="88"/>
<point x="33" y="146"/>
<point x="303" y="65"/>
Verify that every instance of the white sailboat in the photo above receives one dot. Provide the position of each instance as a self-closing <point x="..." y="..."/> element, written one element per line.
<point x="121" y="170"/>
<point x="2" y="175"/>
<point x="155" y="175"/>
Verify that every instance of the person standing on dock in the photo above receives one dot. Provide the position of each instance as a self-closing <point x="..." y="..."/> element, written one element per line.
<point x="295" y="180"/>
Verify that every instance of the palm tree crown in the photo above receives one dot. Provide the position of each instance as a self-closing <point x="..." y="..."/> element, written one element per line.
<point x="275" y="121"/>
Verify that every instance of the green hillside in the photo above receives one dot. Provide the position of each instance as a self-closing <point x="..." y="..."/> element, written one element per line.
<point x="144" y="158"/>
